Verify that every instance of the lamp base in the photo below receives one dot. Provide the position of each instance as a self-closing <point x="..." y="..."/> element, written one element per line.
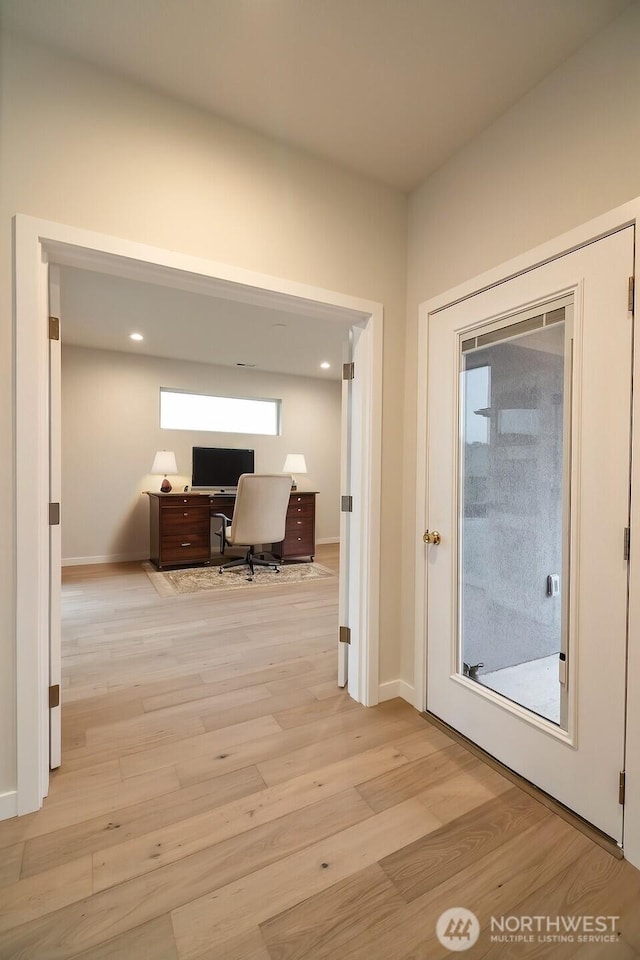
<point x="294" y="485"/>
<point x="165" y="486"/>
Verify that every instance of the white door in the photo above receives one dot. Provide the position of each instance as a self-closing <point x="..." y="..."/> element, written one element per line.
<point x="351" y="526"/>
<point x="55" y="551"/>
<point x="529" y="395"/>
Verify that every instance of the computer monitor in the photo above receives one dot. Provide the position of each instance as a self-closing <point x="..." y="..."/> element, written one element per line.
<point x="219" y="468"/>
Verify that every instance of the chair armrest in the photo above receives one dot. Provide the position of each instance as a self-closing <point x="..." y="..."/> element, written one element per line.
<point x="223" y="529"/>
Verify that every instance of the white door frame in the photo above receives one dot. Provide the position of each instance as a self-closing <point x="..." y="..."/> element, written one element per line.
<point x="624" y="216"/>
<point x="35" y="243"/>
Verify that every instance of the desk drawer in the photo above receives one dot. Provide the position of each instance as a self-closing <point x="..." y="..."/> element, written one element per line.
<point x="170" y="502"/>
<point x="185" y="551"/>
<point x="184" y="517"/>
<point x="300" y="512"/>
<point x="186" y="538"/>
<point x="298" y="545"/>
<point x="301" y="503"/>
<point x="300" y="526"/>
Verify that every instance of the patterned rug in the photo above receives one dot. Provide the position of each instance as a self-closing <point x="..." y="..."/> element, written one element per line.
<point x="172" y="583"/>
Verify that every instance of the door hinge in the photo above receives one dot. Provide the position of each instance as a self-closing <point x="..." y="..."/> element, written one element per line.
<point x="346" y="504"/>
<point x="345" y="634"/>
<point x="621" y="786"/>
<point x="54" y="696"/>
<point x="54" y="514"/>
<point x="631" y="295"/>
<point x="54" y="328"/>
<point x="348" y="371"/>
<point x="627" y="543"/>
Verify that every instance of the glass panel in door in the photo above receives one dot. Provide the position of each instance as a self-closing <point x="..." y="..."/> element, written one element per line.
<point x="514" y="510"/>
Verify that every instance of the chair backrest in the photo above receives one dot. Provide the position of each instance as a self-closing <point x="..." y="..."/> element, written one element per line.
<point x="260" y="513"/>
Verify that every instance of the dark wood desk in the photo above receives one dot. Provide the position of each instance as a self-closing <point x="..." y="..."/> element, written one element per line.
<point x="180" y="527"/>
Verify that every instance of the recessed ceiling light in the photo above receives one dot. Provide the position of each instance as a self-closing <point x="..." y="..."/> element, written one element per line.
<point x="325" y="365"/>
<point x="136" y="336"/>
<point x="279" y="324"/>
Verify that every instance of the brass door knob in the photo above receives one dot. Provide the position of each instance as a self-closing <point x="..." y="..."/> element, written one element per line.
<point x="433" y="537"/>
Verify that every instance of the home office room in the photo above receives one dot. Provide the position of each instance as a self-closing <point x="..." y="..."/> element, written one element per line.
<point x="130" y="348"/>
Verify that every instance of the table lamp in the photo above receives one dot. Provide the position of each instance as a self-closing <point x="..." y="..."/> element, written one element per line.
<point x="295" y="463"/>
<point x="164" y="463"/>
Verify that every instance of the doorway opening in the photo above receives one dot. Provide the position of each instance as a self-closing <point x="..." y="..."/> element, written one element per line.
<point x="39" y="243"/>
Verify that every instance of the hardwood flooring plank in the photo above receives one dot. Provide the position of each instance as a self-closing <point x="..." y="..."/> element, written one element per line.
<point x="11" y="863"/>
<point x="245" y="813"/>
<point x="115" y="910"/>
<point x="598" y="885"/>
<point x="63" y="813"/>
<point x="321" y="925"/>
<point x="168" y="732"/>
<point x="240" y="681"/>
<point x="316" y="710"/>
<point x="290" y="753"/>
<point x="326" y="688"/>
<point x="412" y="778"/>
<point x="212" y="742"/>
<point x="64" y="783"/>
<point x="179" y="719"/>
<point x="491" y="885"/>
<point x="28" y="899"/>
<point x="353" y="732"/>
<point x="423" y="742"/>
<point x="241" y="852"/>
<point x="449" y="799"/>
<point x="151" y="941"/>
<point x="446" y="851"/>
<point x="294" y="698"/>
<point x="210" y="921"/>
<point x="118" y="826"/>
<point x="247" y="946"/>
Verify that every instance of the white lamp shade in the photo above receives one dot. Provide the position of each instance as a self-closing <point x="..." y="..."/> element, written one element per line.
<point x="164" y="462"/>
<point x="295" y="463"/>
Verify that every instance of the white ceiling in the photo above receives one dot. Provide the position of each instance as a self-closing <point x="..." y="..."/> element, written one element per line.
<point x="387" y="88"/>
<point x="100" y="310"/>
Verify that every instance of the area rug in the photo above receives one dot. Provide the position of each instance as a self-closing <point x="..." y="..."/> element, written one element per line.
<point x="172" y="583"/>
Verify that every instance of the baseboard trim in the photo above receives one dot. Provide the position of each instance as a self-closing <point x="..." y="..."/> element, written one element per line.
<point x="397" y="688"/>
<point x="109" y="558"/>
<point x="8" y="804"/>
<point x="328" y="540"/>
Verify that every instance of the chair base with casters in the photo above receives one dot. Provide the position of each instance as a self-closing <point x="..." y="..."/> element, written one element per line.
<point x="250" y="560"/>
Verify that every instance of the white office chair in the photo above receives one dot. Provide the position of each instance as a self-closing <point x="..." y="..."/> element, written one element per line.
<point x="259" y="517"/>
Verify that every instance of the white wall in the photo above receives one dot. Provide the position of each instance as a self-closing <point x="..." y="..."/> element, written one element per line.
<point x="568" y="151"/>
<point x="84" y="148"/>
<point x="111" y="431"/>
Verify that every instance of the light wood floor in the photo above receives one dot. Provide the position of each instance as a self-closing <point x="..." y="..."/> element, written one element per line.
<point x="220" y="799"/>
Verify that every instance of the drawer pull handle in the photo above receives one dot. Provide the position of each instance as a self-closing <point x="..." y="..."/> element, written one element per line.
<point x="299" y="538"/>
<point x="298" y="522"/>
<point x="185" y="544"/>
<point x="186" y="513"/>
